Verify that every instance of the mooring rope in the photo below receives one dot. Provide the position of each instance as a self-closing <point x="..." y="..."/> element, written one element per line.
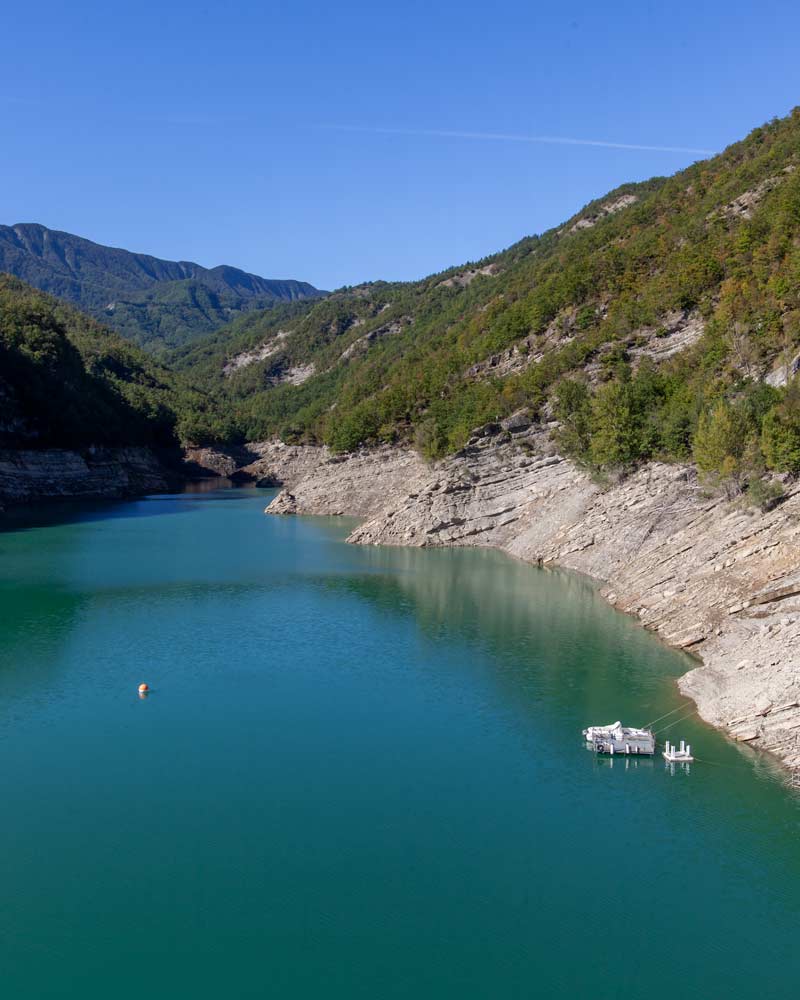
<point x="680" y="708"/>
<point x="681" y="718"/>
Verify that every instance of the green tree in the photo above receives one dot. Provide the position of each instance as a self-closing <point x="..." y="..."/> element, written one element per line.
<point x="720" y="443"/>
<point x="573" y="410"/>
<point x="780" y="433"/>
<point x="615" y="437"/>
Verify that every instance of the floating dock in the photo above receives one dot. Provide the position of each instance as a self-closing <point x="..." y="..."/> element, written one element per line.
<point x="619" y="739"/>
<point x="678" y="754"/>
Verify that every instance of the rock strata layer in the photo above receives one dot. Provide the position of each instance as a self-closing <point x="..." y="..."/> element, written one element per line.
<point x="707" y="575"/>
<point x="267" y="463"/>
<point x="31" y="475"/>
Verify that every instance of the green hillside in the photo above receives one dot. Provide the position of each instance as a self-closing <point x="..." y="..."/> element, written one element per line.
<point x="646" y="325"/>
<point x="66" y="381"/>
<point x="661" y="321"/>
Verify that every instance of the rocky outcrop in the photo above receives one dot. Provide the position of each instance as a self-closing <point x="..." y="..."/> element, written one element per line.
<point x="387" y="330"/>
<point x="707" y="575"/>
<point x="204" y="463"/>
<point x="99" y="472"/>
<point x="678" y="331"/>
<point x="255" y="354"/>
<point x="743" y="206"/>
<point x="465" y="278"/>
<point x="360" y="485"/>
<point x="608" y="208"/>
<point x="265" y="463"/>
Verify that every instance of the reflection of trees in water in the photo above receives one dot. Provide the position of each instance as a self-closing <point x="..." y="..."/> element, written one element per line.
<point x="543" y="632"/>
<point x="36" y="623"/>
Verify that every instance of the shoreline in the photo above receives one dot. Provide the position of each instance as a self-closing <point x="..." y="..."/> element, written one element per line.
<point x="704" y="575"/>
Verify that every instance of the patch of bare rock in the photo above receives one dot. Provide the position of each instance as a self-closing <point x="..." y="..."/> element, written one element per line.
<point x="705" y="574"/>
<point x="677" y="331"/>
<point x="528" y="351"/>
<point x="255" y="354"/>
<point x="359" y="485"/>
<point x="608" y="208"/>
<point x="743" y="206"/>
<point x="387" y="330"/>
<point x="466" y="277"/>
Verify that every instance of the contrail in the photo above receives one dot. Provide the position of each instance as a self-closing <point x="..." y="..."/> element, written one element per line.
<point x="511" y="137"/>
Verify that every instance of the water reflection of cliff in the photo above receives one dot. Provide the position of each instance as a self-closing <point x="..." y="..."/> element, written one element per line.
<point x="543" y="633"/>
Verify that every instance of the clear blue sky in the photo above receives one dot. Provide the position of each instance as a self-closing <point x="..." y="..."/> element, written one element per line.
<point x="303" y="139"/>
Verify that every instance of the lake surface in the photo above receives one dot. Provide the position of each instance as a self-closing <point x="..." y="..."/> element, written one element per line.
<point x="359" y="775"/>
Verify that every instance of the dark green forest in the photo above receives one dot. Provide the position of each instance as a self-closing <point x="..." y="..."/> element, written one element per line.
<point x="67" y="381"/>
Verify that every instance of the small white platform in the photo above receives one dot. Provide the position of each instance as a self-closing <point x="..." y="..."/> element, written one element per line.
<point x="678" y="754"/>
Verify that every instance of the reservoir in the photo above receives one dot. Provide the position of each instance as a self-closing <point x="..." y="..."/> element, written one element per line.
<point x="359" y="774"/>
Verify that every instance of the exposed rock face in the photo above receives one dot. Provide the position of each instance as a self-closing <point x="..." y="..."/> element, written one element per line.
<point x="707" y="575"/>
<point x="528" y="351"/>
<point x="781" y="375"/>
<point x="101" y="472"/>
<point x="743" y="206"/>
<point x="200" y="463"/>
<point x="678" y="331"/>
<point x="466" y="277"/>
<point x="260" y="353"/>
<point x="387" y="330"/>
<point x="266" y="463"/>
<point x="360" y="485"/>
<point x="282" y="372"/>
<point x="297" y="374"/>
<point x="608" y="208"/>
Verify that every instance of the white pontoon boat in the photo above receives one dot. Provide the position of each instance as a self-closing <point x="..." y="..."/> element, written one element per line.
<point x="617" y="738"/>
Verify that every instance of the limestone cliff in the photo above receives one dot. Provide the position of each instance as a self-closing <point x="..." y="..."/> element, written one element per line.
<point x="100" y="472"/>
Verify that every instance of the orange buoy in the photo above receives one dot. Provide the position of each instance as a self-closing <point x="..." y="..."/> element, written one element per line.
<point x="143" y="689"/>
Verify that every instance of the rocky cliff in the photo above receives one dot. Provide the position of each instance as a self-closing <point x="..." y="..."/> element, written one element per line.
<point x="707" y="575"/>
<point x="100" y="472"/>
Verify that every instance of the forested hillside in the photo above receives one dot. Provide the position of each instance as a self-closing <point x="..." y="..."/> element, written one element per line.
<point x="155" y="303"/>
<point x="661" y="321"/>
<point x="65" y="381"/>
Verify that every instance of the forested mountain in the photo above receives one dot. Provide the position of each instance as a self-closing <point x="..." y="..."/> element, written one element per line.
<point x="155" y="303"/>
<point x="663" y="320"/>
<point x="66" y="381"/>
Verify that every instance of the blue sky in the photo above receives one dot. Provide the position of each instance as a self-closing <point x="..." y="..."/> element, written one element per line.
<point x="308" y="140"/>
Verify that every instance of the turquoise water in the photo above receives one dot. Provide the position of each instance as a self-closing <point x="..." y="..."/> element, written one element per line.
<point x="359" y="775"/>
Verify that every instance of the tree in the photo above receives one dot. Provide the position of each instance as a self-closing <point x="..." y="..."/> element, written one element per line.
<point x="720" y="443"/>
<point x="615" y="438"/>
<point x="780" y="433"/>
<point x="573" y="410"/>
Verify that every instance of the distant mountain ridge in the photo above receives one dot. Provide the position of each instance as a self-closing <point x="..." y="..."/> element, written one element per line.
<point x="156" y="303"/>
